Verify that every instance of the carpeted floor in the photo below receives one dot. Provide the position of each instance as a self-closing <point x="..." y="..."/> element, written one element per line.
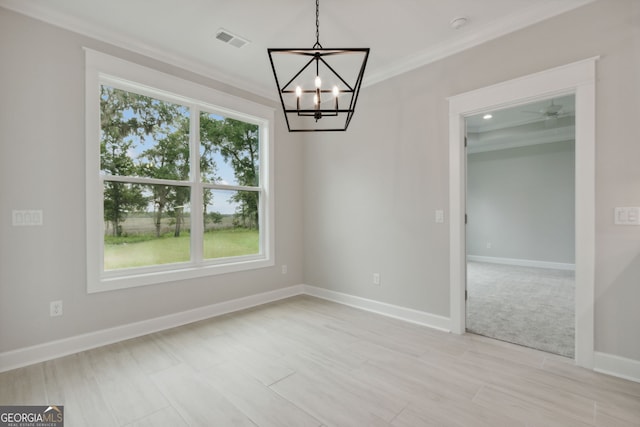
<point x="529" y="306"/>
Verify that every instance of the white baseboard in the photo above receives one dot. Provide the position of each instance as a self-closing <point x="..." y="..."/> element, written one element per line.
<point x="617" y="366"/>
<point x="407" y="314"/>
<point x="47" y="351"/>
<point x="54" y="349"/>
<point x="605" y="363"/>
<point x="522" y="262"/>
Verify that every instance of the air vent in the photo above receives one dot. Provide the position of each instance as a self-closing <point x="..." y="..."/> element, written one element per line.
<point x="224" y="36"/>
<point x="230" y="38"/>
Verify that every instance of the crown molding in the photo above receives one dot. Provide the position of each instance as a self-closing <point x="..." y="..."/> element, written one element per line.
<point x="478" y="144"/>
<point x="36" y="10"/>
<point x="491" y="31"/>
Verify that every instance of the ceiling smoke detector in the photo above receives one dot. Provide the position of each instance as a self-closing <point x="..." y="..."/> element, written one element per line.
<point x="230" y="38"/>
<point x="458" y="22"/>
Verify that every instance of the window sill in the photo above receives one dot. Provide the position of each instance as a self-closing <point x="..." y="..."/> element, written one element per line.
<point x="130" y="278"/>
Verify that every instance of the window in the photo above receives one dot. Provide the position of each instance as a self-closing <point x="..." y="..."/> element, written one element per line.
<point x="178" y="176"/>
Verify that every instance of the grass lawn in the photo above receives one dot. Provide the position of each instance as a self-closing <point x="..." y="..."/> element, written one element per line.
<point x="139" y="251"/>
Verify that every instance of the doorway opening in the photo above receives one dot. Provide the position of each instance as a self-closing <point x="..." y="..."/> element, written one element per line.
<point x="520" y="233"/>
<point x="577" y="78"/>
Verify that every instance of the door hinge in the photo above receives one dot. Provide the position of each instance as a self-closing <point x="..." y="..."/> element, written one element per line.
<point x="465" y="141"/>
<point x="466" y="295"/>
<point x="465" y="219"/>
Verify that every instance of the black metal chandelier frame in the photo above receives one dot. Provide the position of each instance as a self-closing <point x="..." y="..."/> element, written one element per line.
<point x="318" y="56"/>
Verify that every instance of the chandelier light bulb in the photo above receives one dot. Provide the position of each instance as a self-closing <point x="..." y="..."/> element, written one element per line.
<point x="336" y="91"/>
<point x="315" y="99"/>
<point x="318" y="82"/>
<point x="298" y="96"/>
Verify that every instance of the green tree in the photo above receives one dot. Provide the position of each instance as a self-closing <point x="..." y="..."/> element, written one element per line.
<point x="169" y="159"/>
<point x="115" y="144"/>
<point x="238" y="143"/>
<point x="129" y="122"/>
<point x="207" y="165"/>
<point x="214" y="217"/>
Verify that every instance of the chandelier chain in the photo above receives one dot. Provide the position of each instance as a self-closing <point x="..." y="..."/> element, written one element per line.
<point x="318" y="25"/>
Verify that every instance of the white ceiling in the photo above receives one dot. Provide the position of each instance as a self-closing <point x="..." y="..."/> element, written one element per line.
<point x="539" y="122"/>
<point x="402" y="34"/>
<point x="547" y="111"/>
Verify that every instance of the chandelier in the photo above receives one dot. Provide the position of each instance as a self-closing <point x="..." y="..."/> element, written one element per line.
<point x="321" y="86"/>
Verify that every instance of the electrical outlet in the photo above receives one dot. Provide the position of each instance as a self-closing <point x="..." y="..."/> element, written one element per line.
<point x="376" y="278"/>
<point x="55" y="308"/>
<point x="285" y="270"/>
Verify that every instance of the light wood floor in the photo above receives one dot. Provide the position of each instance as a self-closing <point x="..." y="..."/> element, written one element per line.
<point x="308" y="362"/>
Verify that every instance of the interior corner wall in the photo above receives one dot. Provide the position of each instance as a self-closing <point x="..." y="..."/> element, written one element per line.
<point x="521" y="203"/>
<point x="370" y="194"/>
<point x="42" y="166"/>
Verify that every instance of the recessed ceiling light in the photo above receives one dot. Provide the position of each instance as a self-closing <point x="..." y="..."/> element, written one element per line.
<point x="458" y="22"/>
<point x="487" y="116"/>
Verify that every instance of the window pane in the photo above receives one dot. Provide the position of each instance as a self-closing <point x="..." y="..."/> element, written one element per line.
<point x="229" y="150"/>
<point x="143" y="136"/>
<point x="145" y="225"/>
<point x="231" y="223"/>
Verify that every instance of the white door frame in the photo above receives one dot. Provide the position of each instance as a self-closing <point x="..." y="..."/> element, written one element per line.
<point x="577" y="78"/>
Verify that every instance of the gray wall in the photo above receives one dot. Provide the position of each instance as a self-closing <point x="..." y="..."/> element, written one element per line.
<point x="42" y="159"/>
<point x="353" y="203"/>
<point x="370" y="194"/>
<point x="522" y="202"/>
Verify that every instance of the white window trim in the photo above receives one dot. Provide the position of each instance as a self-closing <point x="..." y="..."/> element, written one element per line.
<point x="101" y="67"/>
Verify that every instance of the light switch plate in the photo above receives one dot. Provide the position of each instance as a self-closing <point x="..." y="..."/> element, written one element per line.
<point x="23" y="218"/>
<point x="627" y="216"/>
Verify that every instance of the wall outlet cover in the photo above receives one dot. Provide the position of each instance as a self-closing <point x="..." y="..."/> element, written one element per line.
<point x="55" y="308"/>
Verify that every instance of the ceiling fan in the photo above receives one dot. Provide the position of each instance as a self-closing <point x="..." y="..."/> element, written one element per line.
<point x="551" y="112"/>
